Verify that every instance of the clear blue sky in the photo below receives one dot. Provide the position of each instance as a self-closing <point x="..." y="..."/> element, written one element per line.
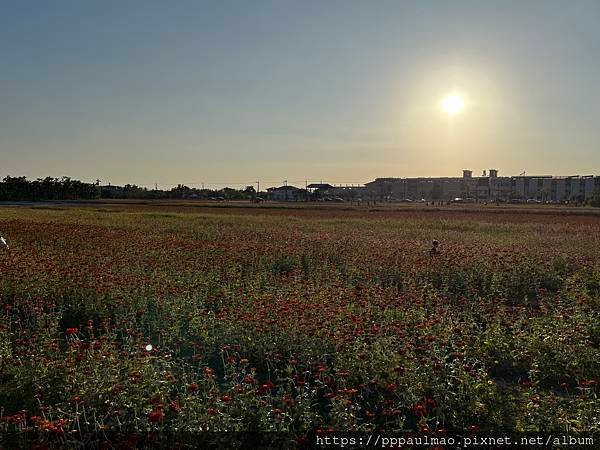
<point x="345" y="91"/>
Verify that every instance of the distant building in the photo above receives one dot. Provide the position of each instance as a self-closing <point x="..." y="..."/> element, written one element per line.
<point x="488" y="187"/>
<point x="110" y="191"/>
<point x="316" y="186"/>
<point x="325" y="191"/>
<point x="286" y="194"/>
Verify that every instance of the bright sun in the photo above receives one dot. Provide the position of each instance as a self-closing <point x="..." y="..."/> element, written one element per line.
<point x="453" y="104"/>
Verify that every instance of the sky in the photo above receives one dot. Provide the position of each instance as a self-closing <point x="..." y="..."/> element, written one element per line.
<point x="230" y="92"/>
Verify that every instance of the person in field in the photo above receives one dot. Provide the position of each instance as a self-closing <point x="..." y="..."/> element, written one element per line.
<point x="434" y="248"/>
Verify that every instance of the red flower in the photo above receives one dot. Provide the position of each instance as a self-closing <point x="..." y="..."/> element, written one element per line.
<point x="265" y="388"/>
<point x="391" y="387"/>
<point x="155" y="416"/>
<point x="420" y="409"/>
<point x="174" y="407"/>
<point x="35" y="419"/>
<point x="248" y="379"/>
<point x="72" y="330"/>
<point x="193" y="387"/>
<point x="527" y="383"/>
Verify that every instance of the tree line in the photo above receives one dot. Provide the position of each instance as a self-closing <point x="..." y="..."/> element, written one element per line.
<point x="66" y="188"/>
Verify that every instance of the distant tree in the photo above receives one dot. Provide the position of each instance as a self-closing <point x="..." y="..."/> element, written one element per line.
<point x="16" y="188"/>
<point x="180" y="191"/>
<point x="66" y="188"/>
<point x="250" y="192"/>
<point x="230" y="193"/>
<point x="22" y="189"/>
<point x="595" y="201"/>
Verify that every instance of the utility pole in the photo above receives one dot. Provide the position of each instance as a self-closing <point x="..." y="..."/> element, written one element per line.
<point x="257" y="189"/>
<point x="305" y="190"/>
<point x="285" y="185"/>
<point x="203" y="185"/>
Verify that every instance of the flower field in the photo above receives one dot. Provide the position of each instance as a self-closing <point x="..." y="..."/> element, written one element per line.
<point x="119" y="323"/>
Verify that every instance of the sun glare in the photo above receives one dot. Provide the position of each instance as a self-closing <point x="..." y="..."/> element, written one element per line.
<point x="453" y="104"/>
